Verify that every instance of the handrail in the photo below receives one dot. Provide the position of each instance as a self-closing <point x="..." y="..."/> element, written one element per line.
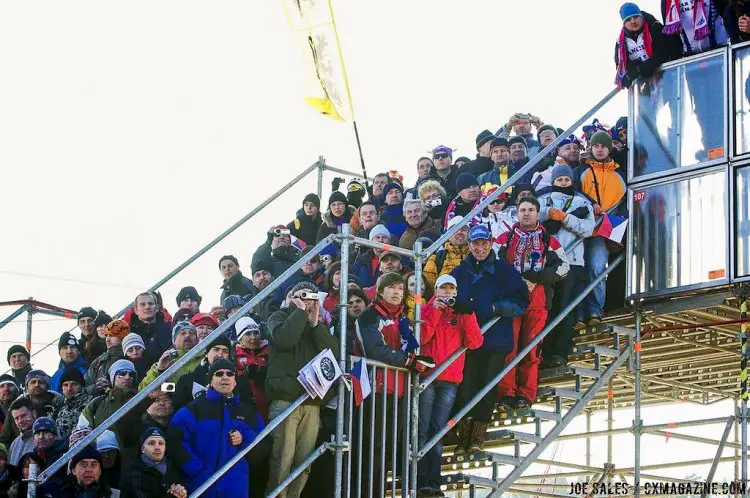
<point x="519" y="174"/>
<point x="515" y="361"/>
<point x="192" y="353"/>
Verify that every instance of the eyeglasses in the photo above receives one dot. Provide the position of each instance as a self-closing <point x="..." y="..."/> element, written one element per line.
<point x="440" y="156"/>
<point x="125" y="373"/>
<point x="222" y="373"/>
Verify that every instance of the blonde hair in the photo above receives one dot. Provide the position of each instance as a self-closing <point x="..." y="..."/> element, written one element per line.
<point x="431" y="185"/>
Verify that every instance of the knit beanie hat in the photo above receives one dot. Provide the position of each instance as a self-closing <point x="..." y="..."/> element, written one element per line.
<point x="629" y="10"/>
<point x="518" y="139"/>
<point x="232" y="301"/>
<point x="183" y="315"/>
<point x="484" y="137"/>
<point x="17" y="348"/>
<point x="465" y="180"/>
<point x="44" y="424"/>
<point x="87" y="453"/>
<point x="180" y="327"/>
<point x="245" y="325"/>
<point x="222" y="340"/>
<point x="337" y="197"/>
<point x="312" y="198"/>
<point x="230" y="258"/>
<point x="67" y="339"/>
<point x="101" y="319"/>
<point x="119" y="366"/>
<point x="117" y="328"/>
<point x="601" y="138"/>
<point x="546" y="127"/>
<point x="188" y="292"/>
<point x="87" y="311"/>
<point x="8" y="379"/>
<point x="561" y="170"/>
<point x="36" y="374"/>
<point x="72" y="374"/>
<point x="131" y="340"/>
<point x="391" y="186"/>
<point x="221" y="364"/>
<point x="107" y="440"/>
<point x="266" y="265"/>
<point x="379" y="230"/>
<point x="500" y="142"/>
<point x="151" y="432"/>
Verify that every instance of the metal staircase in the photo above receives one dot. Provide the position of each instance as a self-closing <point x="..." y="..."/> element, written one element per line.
<point x="566" y="390"/>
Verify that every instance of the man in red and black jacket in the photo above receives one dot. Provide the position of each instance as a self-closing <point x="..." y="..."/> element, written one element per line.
<point x="541" y="261"/>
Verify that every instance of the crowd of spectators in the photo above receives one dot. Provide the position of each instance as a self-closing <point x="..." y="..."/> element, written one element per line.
<point x="519" y="262"/>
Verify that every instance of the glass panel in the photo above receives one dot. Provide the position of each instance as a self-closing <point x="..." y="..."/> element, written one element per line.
<point x="742" y="221"/>
<point x="742" y="100"/>
<point x="679" y="234"/>
<point x="679" y="117"/>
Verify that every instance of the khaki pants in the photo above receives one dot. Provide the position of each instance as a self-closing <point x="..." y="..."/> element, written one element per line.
<point x="293" y="440"/>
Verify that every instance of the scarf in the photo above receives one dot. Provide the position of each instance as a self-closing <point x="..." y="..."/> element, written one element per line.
<point x="673" y="24"/>
<point x="622" y="52"/>
<point x="396" y="313"/>
<point x="161" y="466"/>
<point x="450" y="213"/>
<point x="527" y="253"/>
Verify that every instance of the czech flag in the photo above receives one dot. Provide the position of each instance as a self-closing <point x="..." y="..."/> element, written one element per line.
<point x="360" y="381"/>
<point x="613" y="227"/>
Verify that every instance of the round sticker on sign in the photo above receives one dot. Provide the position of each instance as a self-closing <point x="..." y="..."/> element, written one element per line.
<point x="327" y="369"/>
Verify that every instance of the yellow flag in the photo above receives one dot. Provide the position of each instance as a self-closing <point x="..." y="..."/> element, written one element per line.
<point x="313" y="22"/>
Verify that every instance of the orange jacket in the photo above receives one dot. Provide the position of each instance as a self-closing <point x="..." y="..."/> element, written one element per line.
<point x="601" y="182"/>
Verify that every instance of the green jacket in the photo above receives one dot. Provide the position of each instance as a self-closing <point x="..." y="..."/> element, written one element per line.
<point x="102" y="407"/>
<point x="154" y="372"/>
<point x="292" y="344"/>
<point x="100" y="368"/>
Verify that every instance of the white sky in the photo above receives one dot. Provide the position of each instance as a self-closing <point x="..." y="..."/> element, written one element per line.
<point x="133" y="133"/>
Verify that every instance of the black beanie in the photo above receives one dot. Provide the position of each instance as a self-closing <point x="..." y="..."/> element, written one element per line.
<point x="87" y="311"/>
<point x="230" y="258"/>
<point x="222" y="340"/>
<point x="102" y="319"/>
<point x="17" y="348"/>
<point x="188" y="292"/>
<point x="312" y="198"/>
<point x="518" y="139"/>
<point x="72" y="373"/>
<point x="67" y="339"/>
<point x="221" y="364"/>
<point x="87" y="453"/>
<point x="337" y="197"/>
<point x="484" y="137"/>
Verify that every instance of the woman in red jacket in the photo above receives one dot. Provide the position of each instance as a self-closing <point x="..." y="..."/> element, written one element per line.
<point x="446" y="329"/>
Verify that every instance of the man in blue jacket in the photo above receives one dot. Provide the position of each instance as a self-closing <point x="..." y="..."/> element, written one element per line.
<point x="70" y="357"/>
<point x="490" y="288"/>
<point x="210" y="430"/>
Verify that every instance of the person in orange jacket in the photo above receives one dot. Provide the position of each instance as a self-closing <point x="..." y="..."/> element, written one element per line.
<point x="447" y="328"/>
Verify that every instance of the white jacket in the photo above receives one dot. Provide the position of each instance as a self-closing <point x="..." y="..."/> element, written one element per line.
<point x="572" y="227"/>
<point x="499" y="223"/>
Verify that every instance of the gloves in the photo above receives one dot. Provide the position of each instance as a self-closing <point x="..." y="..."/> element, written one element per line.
<point x="556" y="214"/>
<point x="507" y="309"/>
<point x="336" y="183"/>
<point x="532" y="276"/>
<point x="580" y="212"/>
<point x="461" y="308"/>
<point x="419" y="363"/>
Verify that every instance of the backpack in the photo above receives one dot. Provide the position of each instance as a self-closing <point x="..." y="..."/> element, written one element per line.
<point x="440" y="256"/>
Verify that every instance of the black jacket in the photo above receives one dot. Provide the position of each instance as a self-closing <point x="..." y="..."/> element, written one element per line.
<point x="71" y="489"/>
<point x="238" y="285"/>
<point x="183" y="393"/>
<point x="665" y="48"/>
<point x="156" y="336"/>
<point x="448" y="183"/>
<point x="145" y="481"/>
<point x="477" y="166"/>
<point x="305" y="227"/>
<point x="732" y="14"/>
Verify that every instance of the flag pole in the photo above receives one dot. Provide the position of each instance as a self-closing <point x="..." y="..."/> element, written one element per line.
<point x="348" y="91"/>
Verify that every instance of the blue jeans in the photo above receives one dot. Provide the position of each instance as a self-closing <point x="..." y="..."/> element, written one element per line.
<point x="435" y="405"/>
<point x="596" y="258"/>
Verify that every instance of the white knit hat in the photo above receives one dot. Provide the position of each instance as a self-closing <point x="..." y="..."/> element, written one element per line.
<point x="131" y="340"/>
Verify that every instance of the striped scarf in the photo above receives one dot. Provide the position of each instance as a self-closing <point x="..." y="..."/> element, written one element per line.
<point x="673" y="25"/>
<point x="622" y="52"/>
<point x="526" y="249"/>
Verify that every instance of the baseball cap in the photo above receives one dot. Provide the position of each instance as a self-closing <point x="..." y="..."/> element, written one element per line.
<point x="479" y="232"/>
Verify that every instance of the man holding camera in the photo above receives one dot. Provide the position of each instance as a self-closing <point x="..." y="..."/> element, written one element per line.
<point x="520" y="124"/>
<point x="184" y="338"/>
<point x="277" y="251"/>
<point x="296" y="334"/>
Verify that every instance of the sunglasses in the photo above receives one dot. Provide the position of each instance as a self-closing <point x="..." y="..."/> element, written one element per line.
<point x="440" y="156"/>
<point x="222" y="373"/>
<point x="125" y="373"/>
<point x="497" y="201"/>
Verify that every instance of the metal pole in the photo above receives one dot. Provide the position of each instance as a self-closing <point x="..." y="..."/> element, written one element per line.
<point x="194" y="352"/>
<point x="588" y="441"/>
<point x="737" y="445"/>
<point x="610" y="420"/>
<point x="637" y="422"/>
<point x="33" y="472"/>
<point x="301" y="468"/>
<point x="719" y="451"/>
<point x="521" y="354"/>
<point x="226" y="232"/>
<point x="14" y="315"/>
<point x="519" y="174"/>
<point x="343" y="317"/>
<point x="627" y="430"/>
<point x="743" y="394"/>
<point x="414" y="458"/>
<point x="377" y="245"/>
<point x="340" y="171"/>
<point x="321" y="165"/>
<point x="29" y="319"/>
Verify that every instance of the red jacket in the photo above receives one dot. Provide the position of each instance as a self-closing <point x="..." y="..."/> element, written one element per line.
<point x="252" y="364"/>
<point x="443" y="333"/>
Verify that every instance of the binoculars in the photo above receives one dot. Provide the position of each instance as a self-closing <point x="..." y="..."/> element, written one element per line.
<point x="280" y="231"/>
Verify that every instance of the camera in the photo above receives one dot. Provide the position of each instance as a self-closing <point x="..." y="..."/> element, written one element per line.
<point x="450" y="301"/>
<point x="433" y="202"/>
<point x="278" y="232"/>
<point x="173" y="355"/>
<point x="309" y="295"/>
<point x="168" y="387"/>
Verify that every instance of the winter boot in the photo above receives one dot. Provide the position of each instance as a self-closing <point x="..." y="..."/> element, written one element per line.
<point x="464" y="435"/>
<point x="478" y="433"/>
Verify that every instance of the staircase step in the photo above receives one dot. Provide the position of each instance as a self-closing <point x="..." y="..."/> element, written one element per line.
<point x="597" y="349"/>
<point x="482" y="482"/>
<point x="547" y="392"/>
<point x="587" y="372"/>
<point x="545" y="415"/>
<point x="480" y="457"/>
<point x="554" y="373"/>
<point x="618" y="329"/>
<point x="524" y="437"/>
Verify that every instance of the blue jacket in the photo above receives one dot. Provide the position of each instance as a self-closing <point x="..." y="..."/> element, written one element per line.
<point x="79" y="364"/>
<point x="495" y="283"/>
<point x="393" y="219"/>
<point x="198" y="441"/>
